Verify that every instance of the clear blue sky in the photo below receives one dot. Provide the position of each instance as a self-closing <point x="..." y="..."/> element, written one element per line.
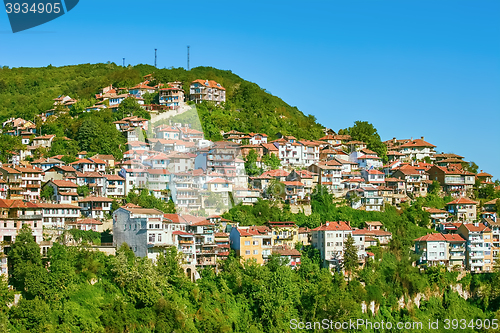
<point x="412" y="68"/>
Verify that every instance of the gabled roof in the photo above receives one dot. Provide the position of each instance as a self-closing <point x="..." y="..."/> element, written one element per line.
<point x="333" y="226"/>
<point x="64" y="183"/>
<point x="462" y="201"/>
<point x="417" y="143"/>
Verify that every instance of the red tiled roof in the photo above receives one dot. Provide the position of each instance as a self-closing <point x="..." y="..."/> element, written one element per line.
<point x="417" y="143"/>
<point x="460" y="201"/>
<point x="341" y="225"/>
<point x="211" y="84"/>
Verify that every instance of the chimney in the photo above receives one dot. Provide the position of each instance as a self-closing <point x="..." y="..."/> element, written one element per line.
<point x="422" y="137"/>
<point x="411" y="139"/>
<point x="327" y="224"/>
<point x="348" y="223"/>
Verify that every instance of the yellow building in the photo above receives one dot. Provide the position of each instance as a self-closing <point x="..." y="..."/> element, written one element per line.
<point x="284" y="233"/>
<point x="251" y="243"/>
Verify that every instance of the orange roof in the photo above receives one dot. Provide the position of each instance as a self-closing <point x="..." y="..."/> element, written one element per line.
<point x="333" y="226"/>
<point x="209" y="83"/>
<point x="431" y="238"/>
<point x="462" y="201"/>
<point x="64" y="183"/>
<point x="417" y="143"/>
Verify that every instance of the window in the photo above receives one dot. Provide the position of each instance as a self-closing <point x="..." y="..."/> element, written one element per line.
<point x="247" y="252"/>
<point x="255" y="251"/>
<point x="247" y="242"/>
<point x="255" y="242"/>
<point x="159" y="237"/>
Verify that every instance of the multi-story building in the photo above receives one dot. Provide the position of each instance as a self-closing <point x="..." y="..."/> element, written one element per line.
<point x="13" y="180"/>
<point x="95" y="207"/>
<point x="437" y="215"/>
<point x="329" y="239"/>
<point x="441" y="249"/>
<point x="251" y="243"/>
<point x="416" y="180"/>
<point x="329" y="175"/>
<point x="462" y="209"/>
<point x="207" y="90"/>
<point x="57" y="216"/>
<point x="13" y="215"/>
<point x="64" y="191"/>
<point x="114" y="186"/>
<point x="284" y="233"/>
<point x="172" y="97"/>
<point x="417" y="149"/>
<point x="454" y="181"/>
<point x="142" y="229"/>
<point x="478" y="238"/>
<point x="31" y="182"/>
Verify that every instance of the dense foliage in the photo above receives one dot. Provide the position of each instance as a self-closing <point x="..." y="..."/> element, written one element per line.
<point x="27" y="92"/>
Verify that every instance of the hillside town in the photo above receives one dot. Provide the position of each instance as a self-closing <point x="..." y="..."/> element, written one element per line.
<point x="174" y="162"/>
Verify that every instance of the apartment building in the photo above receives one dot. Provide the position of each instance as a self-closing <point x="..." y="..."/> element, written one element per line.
<point x="329" y="239"/>
<point x="454" y="181"/>
<point x="284" y="233"/>
<point x="58" y="216"/>
<point x="478" y="237"/>
<point x="417" y="149"/>
<point x="251" y="243"/>
<point x="441" y="249"/>
<point x="95" y="207"/>
<point x="171" y="97"/>
<point x="142" y="229"/>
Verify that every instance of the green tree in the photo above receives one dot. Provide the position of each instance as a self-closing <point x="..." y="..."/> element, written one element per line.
<point x="130" y="107"/>
<point x="350" y="261"/>
<point x="23" y="257"/>
<point x="83" y="190"/>
<point x="271" y="161"/>
<point x="47" y="193"/>
<point x="251" y="163"/>
<point x="366" y="132"/>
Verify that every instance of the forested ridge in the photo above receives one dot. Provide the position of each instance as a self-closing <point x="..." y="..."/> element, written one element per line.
<point x="27" y="92"/>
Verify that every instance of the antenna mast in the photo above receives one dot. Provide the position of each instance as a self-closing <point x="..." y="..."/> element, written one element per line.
<point x="188" y="57"/>
<point x="155" y="57"/>
<point x="123" y="62"/>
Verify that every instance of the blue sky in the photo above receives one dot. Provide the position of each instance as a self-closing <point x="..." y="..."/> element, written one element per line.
<point x="412" y="68"/>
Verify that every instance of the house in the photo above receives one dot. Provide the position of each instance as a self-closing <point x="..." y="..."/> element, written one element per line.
<point x="13" y="180"/>
<point x="59" y="172"/>
<point x="95" y="207"/>
<point x="284" y="233"/>
<point x="85" y="224"/>
<point x="43" y="141"/>
<point x="207" y="90"/>
<point x="417" y="149"/>
<point x="13" y="215"/>
<point x="251" y="243"/>
<point x="329" y="175"/>
<point x="462" y="209"/>
<point x="57" y="216"/>
<point x="64" y="191"/>
<point x="454" y="181"/>
<point x="437" y="215"/>
<point x="31" y="182"/>
<point x="366" y="159"/>
<point x="485" y="178"/>
<point x="416" y="180"/>
<point x="329" y="239"/>
<point x="114" y="186"/>
<point x="374" y="176"/>
<point x="142" y="229"/>
<point x="291" y="256"/>
<point x="141" y="89"/>
<point x="171" y="97"/>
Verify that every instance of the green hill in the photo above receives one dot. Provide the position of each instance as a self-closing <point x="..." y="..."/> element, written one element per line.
<point x="26" y="92"/>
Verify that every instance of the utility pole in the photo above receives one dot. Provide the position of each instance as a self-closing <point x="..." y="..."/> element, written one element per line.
<point x="155" y="58"/>
<point x="188" y="57"/>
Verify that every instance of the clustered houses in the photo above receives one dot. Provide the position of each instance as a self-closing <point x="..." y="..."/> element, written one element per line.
<point x="471" y="246"/>
<point x="201" y="177"/>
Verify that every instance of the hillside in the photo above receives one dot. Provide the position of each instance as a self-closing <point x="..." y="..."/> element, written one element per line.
<point x="26" y="92"/>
